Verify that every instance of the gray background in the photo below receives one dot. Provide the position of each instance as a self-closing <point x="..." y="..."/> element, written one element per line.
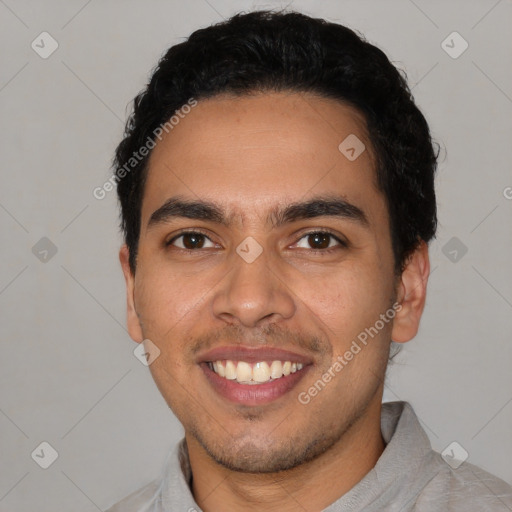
<point x="68" y="375"/>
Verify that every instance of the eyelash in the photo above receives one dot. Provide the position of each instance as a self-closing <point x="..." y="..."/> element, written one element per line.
<point x="341" y="243"/>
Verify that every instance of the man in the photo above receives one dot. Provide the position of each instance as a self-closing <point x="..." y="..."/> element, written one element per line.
<point x="276" y="183"/>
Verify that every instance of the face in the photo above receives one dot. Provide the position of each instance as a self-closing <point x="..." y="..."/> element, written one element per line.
<point x="266" y="248"/>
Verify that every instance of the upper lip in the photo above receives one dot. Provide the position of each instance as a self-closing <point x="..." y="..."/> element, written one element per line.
<point x="252" y="355"/>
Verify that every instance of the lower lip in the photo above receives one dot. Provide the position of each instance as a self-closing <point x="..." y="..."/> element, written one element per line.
<point x="253" y="394"/>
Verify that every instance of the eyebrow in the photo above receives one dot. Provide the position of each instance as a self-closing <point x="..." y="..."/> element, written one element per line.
<point x="320" y="206"/>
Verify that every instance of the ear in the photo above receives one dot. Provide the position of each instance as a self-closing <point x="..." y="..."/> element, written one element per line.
<point x="411" y="294"/>
<point x="132" y="319"/>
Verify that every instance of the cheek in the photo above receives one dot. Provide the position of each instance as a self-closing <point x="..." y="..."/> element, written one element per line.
<point x="163" y="299"/>
<point x="346" y="301"/>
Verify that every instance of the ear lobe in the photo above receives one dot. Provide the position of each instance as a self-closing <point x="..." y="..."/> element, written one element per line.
<point x="412" y="291"/>
<point x="132" y="319"/>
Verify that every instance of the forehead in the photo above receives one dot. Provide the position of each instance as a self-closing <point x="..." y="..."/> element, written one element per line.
<point x="252" y="153"/>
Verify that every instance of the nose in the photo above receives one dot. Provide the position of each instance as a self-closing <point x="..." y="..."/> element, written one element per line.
<point x="253" y="294"/>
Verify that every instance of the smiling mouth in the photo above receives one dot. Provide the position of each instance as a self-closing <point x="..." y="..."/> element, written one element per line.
<point x="254" y="373"/>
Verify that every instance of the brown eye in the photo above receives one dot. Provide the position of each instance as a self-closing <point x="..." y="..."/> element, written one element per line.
<point x="320" y="241"/>
<point x="190" y="241"/>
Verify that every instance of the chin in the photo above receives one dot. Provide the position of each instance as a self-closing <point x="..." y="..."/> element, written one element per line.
<point x="250" y="457"/>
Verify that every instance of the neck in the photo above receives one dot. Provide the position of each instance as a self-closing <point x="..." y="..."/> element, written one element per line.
<point x="310" y="486"/>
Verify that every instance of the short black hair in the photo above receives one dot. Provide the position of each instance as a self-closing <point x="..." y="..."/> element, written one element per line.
<point x="267" y="51"/>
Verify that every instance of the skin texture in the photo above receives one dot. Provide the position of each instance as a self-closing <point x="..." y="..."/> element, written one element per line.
<point x="250" y="154"/>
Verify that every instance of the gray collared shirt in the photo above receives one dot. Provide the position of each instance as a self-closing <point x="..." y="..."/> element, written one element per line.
<point x="409" y="476"/>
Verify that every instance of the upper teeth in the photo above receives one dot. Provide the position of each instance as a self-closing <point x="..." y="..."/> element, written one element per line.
<point x="254" y="373"/>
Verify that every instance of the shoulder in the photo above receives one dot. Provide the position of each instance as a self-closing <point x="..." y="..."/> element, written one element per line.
<point x="467" y="488"/>
<point x="138" y="501"/>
